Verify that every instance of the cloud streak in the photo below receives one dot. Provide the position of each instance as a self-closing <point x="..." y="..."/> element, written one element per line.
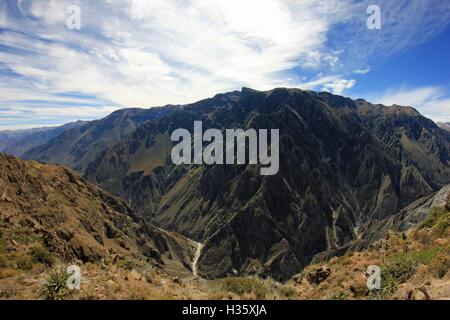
<point x="148" y="53"/>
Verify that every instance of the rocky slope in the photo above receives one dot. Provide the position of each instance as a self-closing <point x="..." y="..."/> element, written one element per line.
<point x="54" y="209"/>
<point x="343" y="164"/>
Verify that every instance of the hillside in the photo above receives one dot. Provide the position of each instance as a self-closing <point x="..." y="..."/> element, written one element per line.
<point x="53" y="211"/>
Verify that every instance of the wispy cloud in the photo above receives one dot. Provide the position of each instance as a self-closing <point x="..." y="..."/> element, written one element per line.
<point x="362" y="71"/>
<point x="147" y="53"/>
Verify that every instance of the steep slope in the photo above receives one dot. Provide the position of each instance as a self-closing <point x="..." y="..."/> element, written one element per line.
<point x="406" y="219"/>
<point x="337" y="172"/>
<point x="412" y="140"/>
<point x="77" y="221"/>
<point x="77" y="147"/>
<point x="17" y="142"/>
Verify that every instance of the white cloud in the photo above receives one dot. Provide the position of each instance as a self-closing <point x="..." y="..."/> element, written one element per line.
<point x="362" y="71"/>
<point x="339" y="85"/>
<point x="50" y="11"/>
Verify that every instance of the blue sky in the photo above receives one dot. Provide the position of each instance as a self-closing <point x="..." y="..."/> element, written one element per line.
<point x="139" y="53"/>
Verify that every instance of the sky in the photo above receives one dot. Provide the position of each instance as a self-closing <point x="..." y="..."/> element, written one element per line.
<point x="145" y="53"/>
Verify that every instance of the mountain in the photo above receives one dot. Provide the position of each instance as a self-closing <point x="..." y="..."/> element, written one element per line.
<point x="444" y="125"/>
<point x="17" y="142"/>
<point x="53" y="208"/>
<point x="75" y="148"/>
<point x="343" y="163"/>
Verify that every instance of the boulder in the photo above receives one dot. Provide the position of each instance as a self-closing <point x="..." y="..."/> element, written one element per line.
<point x="319" y="275"/>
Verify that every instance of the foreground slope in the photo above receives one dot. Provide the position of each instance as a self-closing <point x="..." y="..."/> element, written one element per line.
<point x="53" y="208"/>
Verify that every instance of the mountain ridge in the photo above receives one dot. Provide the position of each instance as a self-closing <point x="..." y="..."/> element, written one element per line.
<point x="18" y="142"/>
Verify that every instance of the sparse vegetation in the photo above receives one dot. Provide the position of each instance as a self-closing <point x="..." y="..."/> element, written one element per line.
<point x="438" y="221"/>
<point x="130" y="264"/>
<point x="4" y="263"/>
<point x="400" y="267"/>
<point x="2" y="245"/>
<point x="42" y="255"/>
<point x="23" y="235"/>
<point x="55" y="287"/>
<point x="255" y="287"/>
<point x="244" y="285"/>
<point x="24" y="262"/>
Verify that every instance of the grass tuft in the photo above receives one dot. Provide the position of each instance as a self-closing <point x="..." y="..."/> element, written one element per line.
<point x="55" y="287"/>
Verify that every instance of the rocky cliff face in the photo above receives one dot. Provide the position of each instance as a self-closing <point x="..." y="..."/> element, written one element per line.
<point x="77" y="220"/>
<point x="343" y="164"/>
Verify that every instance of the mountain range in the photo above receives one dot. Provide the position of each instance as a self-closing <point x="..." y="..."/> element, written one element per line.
<point x="17" y="142"/>
<point x="345" y="167"/>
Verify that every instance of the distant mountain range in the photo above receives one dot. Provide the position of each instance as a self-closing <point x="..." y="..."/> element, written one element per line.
<point x="345" y="165"/>
<point x="17" y="142"/>
<point x="79" y="145"/>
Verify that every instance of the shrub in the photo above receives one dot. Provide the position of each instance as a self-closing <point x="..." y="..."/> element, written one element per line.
<point x="339" y="296"/>
<point x="23" y="236"/>
<point x="4" y="263"/>
<point x="42" y="255"/>
<point x="2" y="245"/>
<point x="130" y="264"/>
<point x="399" y="267"/>
<point x="24" y="262"/>
<point x="288" y="291"/>
<point x="241" y="286"/>
<point x="440" y="265"/>
<point x="55" y="287"/>
<point x="438" y="221"/>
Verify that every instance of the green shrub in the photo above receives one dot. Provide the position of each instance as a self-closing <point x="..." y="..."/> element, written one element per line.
<point x="42" y="255"/>
<point x="438" y="220"/>
<point x="4" y="263"/>
<point x="240" y="286"/>
<point x="24" y="262"/>
<point x="130" y="264"/>
<point x="55" y="287"/>
<point x="2" y="245"/>
<point x="399" y="267"/>
<point x="287" y="291"/>
<point x="340" y="296"/>
<point x="23" y="236"/>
